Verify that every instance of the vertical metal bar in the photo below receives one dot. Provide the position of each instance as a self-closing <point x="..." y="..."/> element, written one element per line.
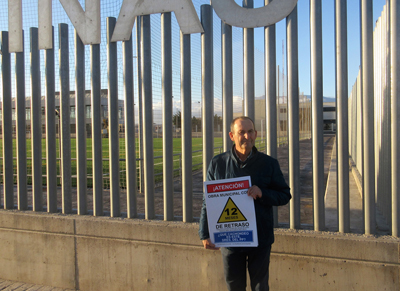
<point x="388" y="115"/>
<point x="342" y="116"/>
<point x="140" y="106"/>
<point x="368" y="115"/>
<point x="80" y="125"/>
<point x="97" y="159"/>
<point x="147" y="103"/>
<point x="293" y="117"/>
<point x="227" y="83"/>
<point x="278" y="108"/>
<point x="186" y="101"/>
<point x="387" y="162"/>
<point x="8" y="168"/>
<point x="21" y="129"/>
<point x="51" y="149"/>
<point x="168" y="163"/>
<point x="317" y="112"/>
<point x="36" y="123"/>
<point x="270" y="95"/>
<point x="113" y="136"/>
<point x="207" y="85"/>
<point x="65" y="119"/>
<point x="129" y="115"/>
<point x="395" y="101"/>
<point x="248" y="67"/>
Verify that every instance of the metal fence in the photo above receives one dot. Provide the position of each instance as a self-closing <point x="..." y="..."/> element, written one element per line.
<point x="361" y="150"/>
<point x="373" y="114"/>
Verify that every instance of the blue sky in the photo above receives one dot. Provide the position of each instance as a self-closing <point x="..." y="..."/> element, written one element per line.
<point x="353" y="26"/>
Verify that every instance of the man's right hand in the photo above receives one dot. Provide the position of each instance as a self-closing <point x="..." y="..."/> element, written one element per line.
<point x="209" y="245"/>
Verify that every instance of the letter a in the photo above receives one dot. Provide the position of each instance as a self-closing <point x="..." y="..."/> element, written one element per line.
<point x="184" y="12"/>
<point x="86" y="23"/>
<point x="234" y="15"/>
<point x="15" y="26"/>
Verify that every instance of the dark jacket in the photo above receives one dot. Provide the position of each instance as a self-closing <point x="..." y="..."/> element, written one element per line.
<point x="266" y="174"/>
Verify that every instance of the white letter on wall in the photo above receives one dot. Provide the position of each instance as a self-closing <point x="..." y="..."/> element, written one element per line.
<point x="233" y="14"/>
<point x="87" y="24"/>
<point x="45" y="25"/>
<point x="184" y="12"/>
<point x="15" y="26"/>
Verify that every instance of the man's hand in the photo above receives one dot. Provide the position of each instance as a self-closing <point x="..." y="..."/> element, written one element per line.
<point x="209" y="245"/>
<point x="254" y="192"/>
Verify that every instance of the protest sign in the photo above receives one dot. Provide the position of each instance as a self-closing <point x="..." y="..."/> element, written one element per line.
<point x="230" y="213"/>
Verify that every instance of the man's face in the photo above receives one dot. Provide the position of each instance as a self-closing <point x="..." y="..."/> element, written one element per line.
<point x="243" y="135"/>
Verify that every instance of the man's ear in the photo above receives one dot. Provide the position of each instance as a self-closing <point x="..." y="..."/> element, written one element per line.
<point x="231" y="135"/>
<point x="255" y="134"/>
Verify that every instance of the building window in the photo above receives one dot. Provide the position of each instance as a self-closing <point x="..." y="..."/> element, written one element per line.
<point x="88" y="111"/>
<point x="28" y="114"/>
<point x="105" y="111"/>
<point x="72" y="111"/>
<point x="120" y="113"/>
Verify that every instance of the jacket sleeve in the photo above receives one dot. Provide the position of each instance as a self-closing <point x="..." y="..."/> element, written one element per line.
<point x="203" y="224"/>
<point x="279" y="192"/>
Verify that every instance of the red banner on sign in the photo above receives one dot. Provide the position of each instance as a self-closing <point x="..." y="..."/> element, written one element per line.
<point x="223" y="187"/>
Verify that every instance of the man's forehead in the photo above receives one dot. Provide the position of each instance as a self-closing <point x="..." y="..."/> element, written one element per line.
<point x="244" y="123"/>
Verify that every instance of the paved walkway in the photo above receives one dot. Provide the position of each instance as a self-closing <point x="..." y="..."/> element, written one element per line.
<point x="17" y="286"/>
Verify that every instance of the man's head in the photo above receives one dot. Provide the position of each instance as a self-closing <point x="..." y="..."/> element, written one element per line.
<point x="243" y="134"/>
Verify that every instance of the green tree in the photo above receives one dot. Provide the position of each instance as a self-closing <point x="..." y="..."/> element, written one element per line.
<point x="196" y="121"/>
<point x="177" y="119"/>
<point x="217" y="121"/>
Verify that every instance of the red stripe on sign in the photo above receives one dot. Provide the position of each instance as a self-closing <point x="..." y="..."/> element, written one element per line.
<point x="231" y="186"/>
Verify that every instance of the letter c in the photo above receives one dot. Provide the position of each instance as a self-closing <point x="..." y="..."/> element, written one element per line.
<point x="232" y="14"/>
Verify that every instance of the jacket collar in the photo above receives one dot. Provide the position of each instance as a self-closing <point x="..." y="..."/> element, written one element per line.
<point x="248" y="159"/>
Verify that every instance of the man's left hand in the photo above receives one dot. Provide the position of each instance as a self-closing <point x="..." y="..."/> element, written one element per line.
<point x="254" y="192"/>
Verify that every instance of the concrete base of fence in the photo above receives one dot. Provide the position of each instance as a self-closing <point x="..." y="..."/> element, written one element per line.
<point x="99" y="253"/>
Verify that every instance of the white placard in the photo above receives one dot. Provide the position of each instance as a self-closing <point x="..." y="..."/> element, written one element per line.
<point x="230" y="213"/>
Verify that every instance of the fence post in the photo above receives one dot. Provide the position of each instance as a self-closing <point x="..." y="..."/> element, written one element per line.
<point x="147" y="103"/>
<point x="36" y="123"/>
<point x="395" y="83"/>
<point x="81" y="165"/>
<point x="168" y="158"/>
<point x="293" y="118"/>
<point x="317" y="112"/>
<point x="113" y="136"/>
<point x="129" y="118"/>
<point x="342" y="117"/>
<point x="8" y="167"/>
<point x="207" y="85"/>
<point x="65" y="131"/>
<point x="51" y="145"/>
<point x="21" y="129"/>
<point x="186" y="101"/>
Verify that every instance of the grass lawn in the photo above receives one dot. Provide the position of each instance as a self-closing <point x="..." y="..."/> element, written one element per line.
<point x="197" y="146"/>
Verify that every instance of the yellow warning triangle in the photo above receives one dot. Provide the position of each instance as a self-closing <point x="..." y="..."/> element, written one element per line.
<point x="231" y="213"/>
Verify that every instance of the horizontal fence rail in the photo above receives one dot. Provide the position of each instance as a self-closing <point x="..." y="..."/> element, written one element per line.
<point x="89" y="141"/>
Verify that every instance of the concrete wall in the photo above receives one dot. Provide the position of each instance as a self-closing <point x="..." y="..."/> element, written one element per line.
<point x="99" y="253"/>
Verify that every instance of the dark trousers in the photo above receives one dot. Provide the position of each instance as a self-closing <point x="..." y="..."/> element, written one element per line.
<point x="257" y="262"/>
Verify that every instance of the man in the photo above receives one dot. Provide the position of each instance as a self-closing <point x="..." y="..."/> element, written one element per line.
<point x="269" y="189"/>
